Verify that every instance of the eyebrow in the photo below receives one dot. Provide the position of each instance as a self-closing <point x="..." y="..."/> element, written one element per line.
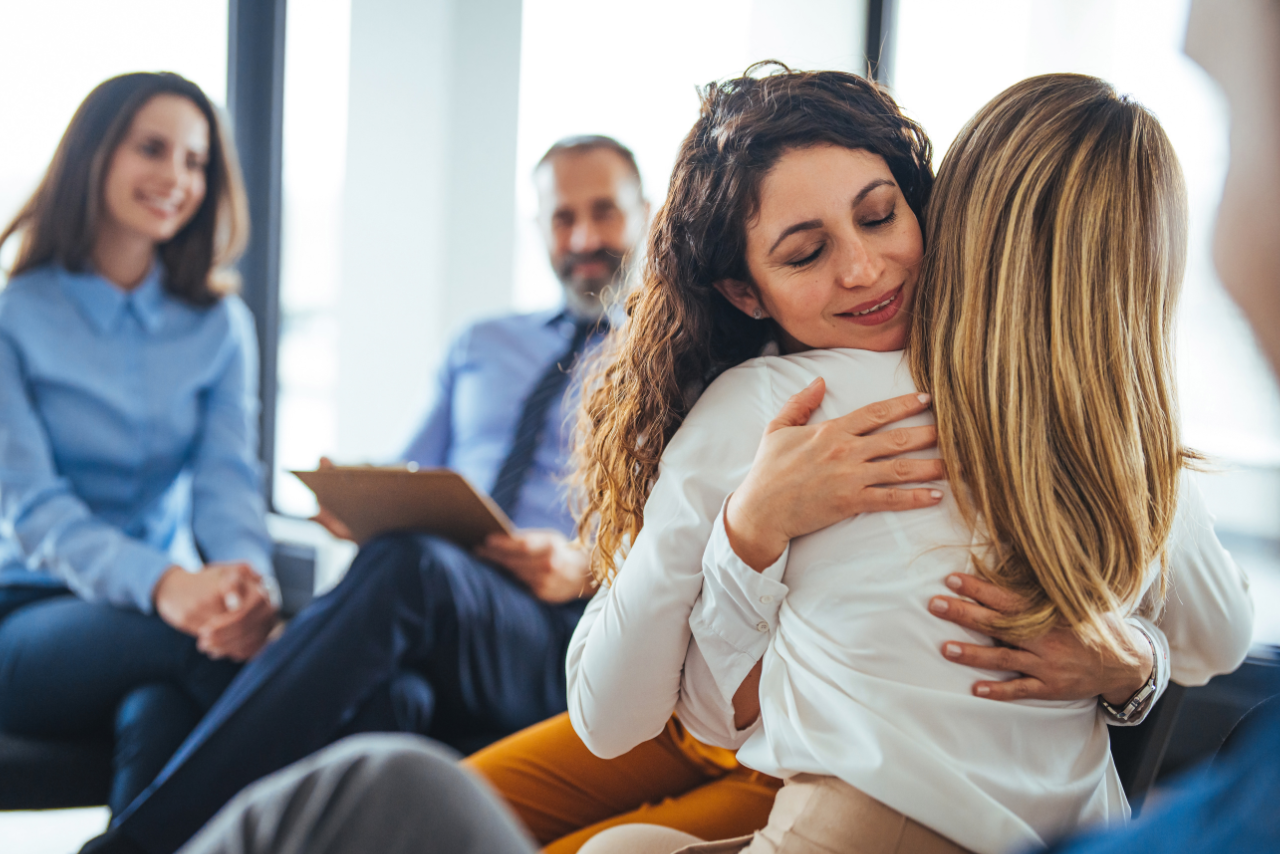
<point x="810" y="224"/>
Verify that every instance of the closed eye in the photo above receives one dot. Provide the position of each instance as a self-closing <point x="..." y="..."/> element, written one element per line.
<point x="808" y="259"/>
<point x="876" y="223"/>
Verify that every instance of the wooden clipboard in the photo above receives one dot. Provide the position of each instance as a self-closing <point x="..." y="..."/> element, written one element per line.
<point x="373" y="500"/>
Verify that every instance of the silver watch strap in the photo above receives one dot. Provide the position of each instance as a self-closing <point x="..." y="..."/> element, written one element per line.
<point x="1143" y="696"/>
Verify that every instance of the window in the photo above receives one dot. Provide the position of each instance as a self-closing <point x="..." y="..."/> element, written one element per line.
<point x="317" y="50"/>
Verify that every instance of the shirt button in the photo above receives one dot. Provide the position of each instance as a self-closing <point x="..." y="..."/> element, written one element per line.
<point x="766" y="599"/>
<point x="762" y="626"/>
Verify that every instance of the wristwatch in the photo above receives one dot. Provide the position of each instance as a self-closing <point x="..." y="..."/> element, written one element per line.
<point x="1138" y="703"/>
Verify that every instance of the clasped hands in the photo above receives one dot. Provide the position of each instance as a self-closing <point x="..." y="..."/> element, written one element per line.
<point x="225" y="606"/>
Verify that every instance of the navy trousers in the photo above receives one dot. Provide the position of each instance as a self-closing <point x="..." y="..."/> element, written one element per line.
<point x="419" y="634"/>
<point x="71" y="669"/>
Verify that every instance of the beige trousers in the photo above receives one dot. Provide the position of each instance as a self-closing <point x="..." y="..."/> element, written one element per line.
<point x="812" y="815"/>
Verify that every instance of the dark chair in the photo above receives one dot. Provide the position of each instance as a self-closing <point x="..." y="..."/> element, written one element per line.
<point x="1139" y="750"/>
<point x="39" y="774"/>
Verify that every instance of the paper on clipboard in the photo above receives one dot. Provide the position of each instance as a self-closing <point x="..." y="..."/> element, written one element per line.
<point x="373" y="500"/>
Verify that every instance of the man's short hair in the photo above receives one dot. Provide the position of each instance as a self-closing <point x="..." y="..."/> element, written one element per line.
<point x="590" y="142"/>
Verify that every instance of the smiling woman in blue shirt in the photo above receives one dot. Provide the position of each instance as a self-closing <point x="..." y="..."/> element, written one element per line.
<point x="135" y="567"/>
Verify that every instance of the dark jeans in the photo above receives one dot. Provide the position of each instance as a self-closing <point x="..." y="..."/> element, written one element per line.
<point x="72" y="669"/>
<point x="418" y="635"/>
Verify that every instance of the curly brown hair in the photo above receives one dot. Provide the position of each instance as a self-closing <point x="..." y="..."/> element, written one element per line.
<point x="680" y="332"/>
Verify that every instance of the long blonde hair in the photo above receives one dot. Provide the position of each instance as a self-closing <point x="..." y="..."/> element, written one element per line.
<point x="1043" y="329"/>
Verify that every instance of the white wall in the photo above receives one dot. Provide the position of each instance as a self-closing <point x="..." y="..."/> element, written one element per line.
<point x="429" y="201"/>
<point x="631" y="70"/>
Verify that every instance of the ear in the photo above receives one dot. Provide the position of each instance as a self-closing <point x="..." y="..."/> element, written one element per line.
<point x="741" y="296"/>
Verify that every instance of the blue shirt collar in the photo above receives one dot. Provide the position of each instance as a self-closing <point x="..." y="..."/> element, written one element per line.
<point x="103" y="304"/>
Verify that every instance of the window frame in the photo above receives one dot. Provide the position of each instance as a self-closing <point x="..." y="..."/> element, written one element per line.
<point x="255" y="102"/>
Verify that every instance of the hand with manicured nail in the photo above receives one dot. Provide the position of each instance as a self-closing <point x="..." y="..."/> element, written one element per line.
<point x="1055" y="666"/>
<point x="807" y="477"/>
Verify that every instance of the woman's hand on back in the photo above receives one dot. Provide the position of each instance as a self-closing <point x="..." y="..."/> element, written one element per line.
<point x="808" y="477"/>
<point x="1057" y="666"/>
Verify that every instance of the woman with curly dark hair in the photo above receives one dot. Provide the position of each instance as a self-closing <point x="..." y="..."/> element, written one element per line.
<point x="787" y="269"/>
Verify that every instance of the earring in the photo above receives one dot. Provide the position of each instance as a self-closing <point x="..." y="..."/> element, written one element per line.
<point x="757" y="314"/>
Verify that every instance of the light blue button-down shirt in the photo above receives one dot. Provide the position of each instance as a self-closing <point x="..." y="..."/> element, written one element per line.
<point x="128" y="435"/>
<point x="489" y="371"/>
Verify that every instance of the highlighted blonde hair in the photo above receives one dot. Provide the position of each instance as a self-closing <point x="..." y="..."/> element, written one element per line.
<point x="1043" y="329"/>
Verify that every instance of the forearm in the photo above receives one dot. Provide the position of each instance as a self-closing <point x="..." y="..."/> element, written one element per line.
<point x="96" y="560"/>
<point x="735" y="618"/>
<point x="624" y="670"/>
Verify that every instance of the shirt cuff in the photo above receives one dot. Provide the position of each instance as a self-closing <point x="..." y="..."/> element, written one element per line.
<point x="1160" y="647"/>
<point x="138" y="586"/>
<point x="734" y="618"/>
<point x="242" y="550"/>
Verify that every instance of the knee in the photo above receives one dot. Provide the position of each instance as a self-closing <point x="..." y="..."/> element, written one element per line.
<point x="638" y="839"/>
<point x="397" y="553"/>
<point x="393" y="762"/>
<point x="419" y="561"/>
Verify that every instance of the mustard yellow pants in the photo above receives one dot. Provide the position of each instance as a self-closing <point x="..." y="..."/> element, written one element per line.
<point x="565" y="794"/>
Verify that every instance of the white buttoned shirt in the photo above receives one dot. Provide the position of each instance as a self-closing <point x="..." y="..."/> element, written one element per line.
<point x="854" y="684"/>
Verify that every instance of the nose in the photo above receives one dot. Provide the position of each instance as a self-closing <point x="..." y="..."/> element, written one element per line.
<point x="585" y="236"/>
<point x="859" y="266"/>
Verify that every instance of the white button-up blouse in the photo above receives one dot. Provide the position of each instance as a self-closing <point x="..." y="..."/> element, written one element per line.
<point x="854" y="683"/>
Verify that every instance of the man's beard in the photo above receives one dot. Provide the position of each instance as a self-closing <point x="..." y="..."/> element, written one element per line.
<point x="610" y="259"/>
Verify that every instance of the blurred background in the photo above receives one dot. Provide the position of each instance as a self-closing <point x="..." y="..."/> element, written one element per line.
<point x="396" y="138"/>
<point x="388" y="146"/>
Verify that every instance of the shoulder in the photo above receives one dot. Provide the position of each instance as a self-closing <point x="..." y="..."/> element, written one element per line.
<point x="32" y="291"/>
<point x="502" y="333"/>
<point x="238" y="316"/>
<point x="736" y="391"/>
<point x="503" y="326"/>
<point x="227" y="321"/>
<point x="229" y="313"/>
<point x="1192" y="519"/>
<point x="737" y="405"/>
<point x="507" y="324"/>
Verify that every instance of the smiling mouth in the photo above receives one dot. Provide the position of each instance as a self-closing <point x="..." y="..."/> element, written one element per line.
<point x="883" y="304"/>
<point x="876" y="313"/>
<point x="162" y="207"/>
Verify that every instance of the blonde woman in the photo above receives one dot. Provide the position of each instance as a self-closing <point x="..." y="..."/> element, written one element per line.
<point x="1041" y="324"/>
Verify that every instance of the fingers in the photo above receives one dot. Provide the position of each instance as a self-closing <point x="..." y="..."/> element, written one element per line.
<point x="237" y="635"/>
<point x="325" y="463"/>
<point x="968" y="614"/>
<point x="332" y="524"/>
<point x="903" y="471"/>
<point x="1022" y="688"/>
<point x="515" y="548"/>
<point x="879" y="498"/>
<point x="876" y="415"/>
<point x="1006" y="658"/>
<point x="985" y="593"/>
<point x="893" y="442"/>
<point x="796" y="411"/>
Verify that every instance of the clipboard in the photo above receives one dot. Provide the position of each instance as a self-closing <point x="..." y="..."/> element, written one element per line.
<point x="373" y="500"/>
